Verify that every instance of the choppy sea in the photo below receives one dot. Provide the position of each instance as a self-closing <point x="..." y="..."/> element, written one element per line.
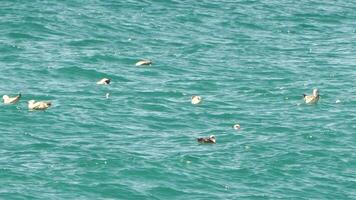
<point x="250" y="61"/>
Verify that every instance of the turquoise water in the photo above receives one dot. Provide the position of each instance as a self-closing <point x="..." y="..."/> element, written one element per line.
<point x="251" y="61"/>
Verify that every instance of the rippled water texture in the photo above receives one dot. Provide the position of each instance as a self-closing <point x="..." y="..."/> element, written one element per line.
<point x="251" y="61"/>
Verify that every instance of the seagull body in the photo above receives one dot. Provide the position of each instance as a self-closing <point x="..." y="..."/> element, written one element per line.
<point x="40" y="105"/>
<point x="237" y="126"/>
<point x="196" y="100"/>
<point x="143" y="62"/>
<point x="311" y="99"/>
<point x="11" y="100"/>
<point x="210" y="139"/>
<point x="104" y="81"/>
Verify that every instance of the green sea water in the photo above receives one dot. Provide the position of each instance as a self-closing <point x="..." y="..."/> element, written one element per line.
<point x="251" y="61"/>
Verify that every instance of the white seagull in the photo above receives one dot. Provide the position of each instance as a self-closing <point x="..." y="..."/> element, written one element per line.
<point x="196" y="100"/>
<point x="143" y="62"/>
<point x="40" y="105"/>
<point x="311" y="99"/>
<point x="104" y="81"/>
<point x="11" y="100"/>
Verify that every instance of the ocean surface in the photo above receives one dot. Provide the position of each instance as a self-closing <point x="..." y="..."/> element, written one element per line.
<point x="250" y="61"/>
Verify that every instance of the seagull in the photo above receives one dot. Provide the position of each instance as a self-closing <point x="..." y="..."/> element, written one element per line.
<point x="236" y="126"/>
<point x="311" y="99"/>
<point x="104" y="81"/>
<point x="11" y="100"/>
<point x="40" y="105"/>
<point x="196" y="100"/>
<point x="143" y="62"/>
<point x="210" y="139"/>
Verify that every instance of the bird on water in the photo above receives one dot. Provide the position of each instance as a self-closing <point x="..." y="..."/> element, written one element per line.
<point x="210" y="139"/>
<point x="311" y="99"/>
<point x="196" y="100"/>
<point x="143" y="62"/>
<point x="40" y="105"/>
<point x="11" y="100"/>
<point x="104" y="81"/>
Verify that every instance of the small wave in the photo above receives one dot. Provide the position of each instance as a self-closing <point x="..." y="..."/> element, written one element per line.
<point x="92" y="74"/>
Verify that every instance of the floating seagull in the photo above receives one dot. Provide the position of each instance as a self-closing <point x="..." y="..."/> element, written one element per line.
<point x="40" y="105"/>
<point x="143" y="62"/>
<point x="104" y="81"/>
<point x="236" y="126"/>
<point x="196" y="99"/>
<point x="314" y="98"/>
<point x="11" y="100"/>
<point x="210" y="139"/>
